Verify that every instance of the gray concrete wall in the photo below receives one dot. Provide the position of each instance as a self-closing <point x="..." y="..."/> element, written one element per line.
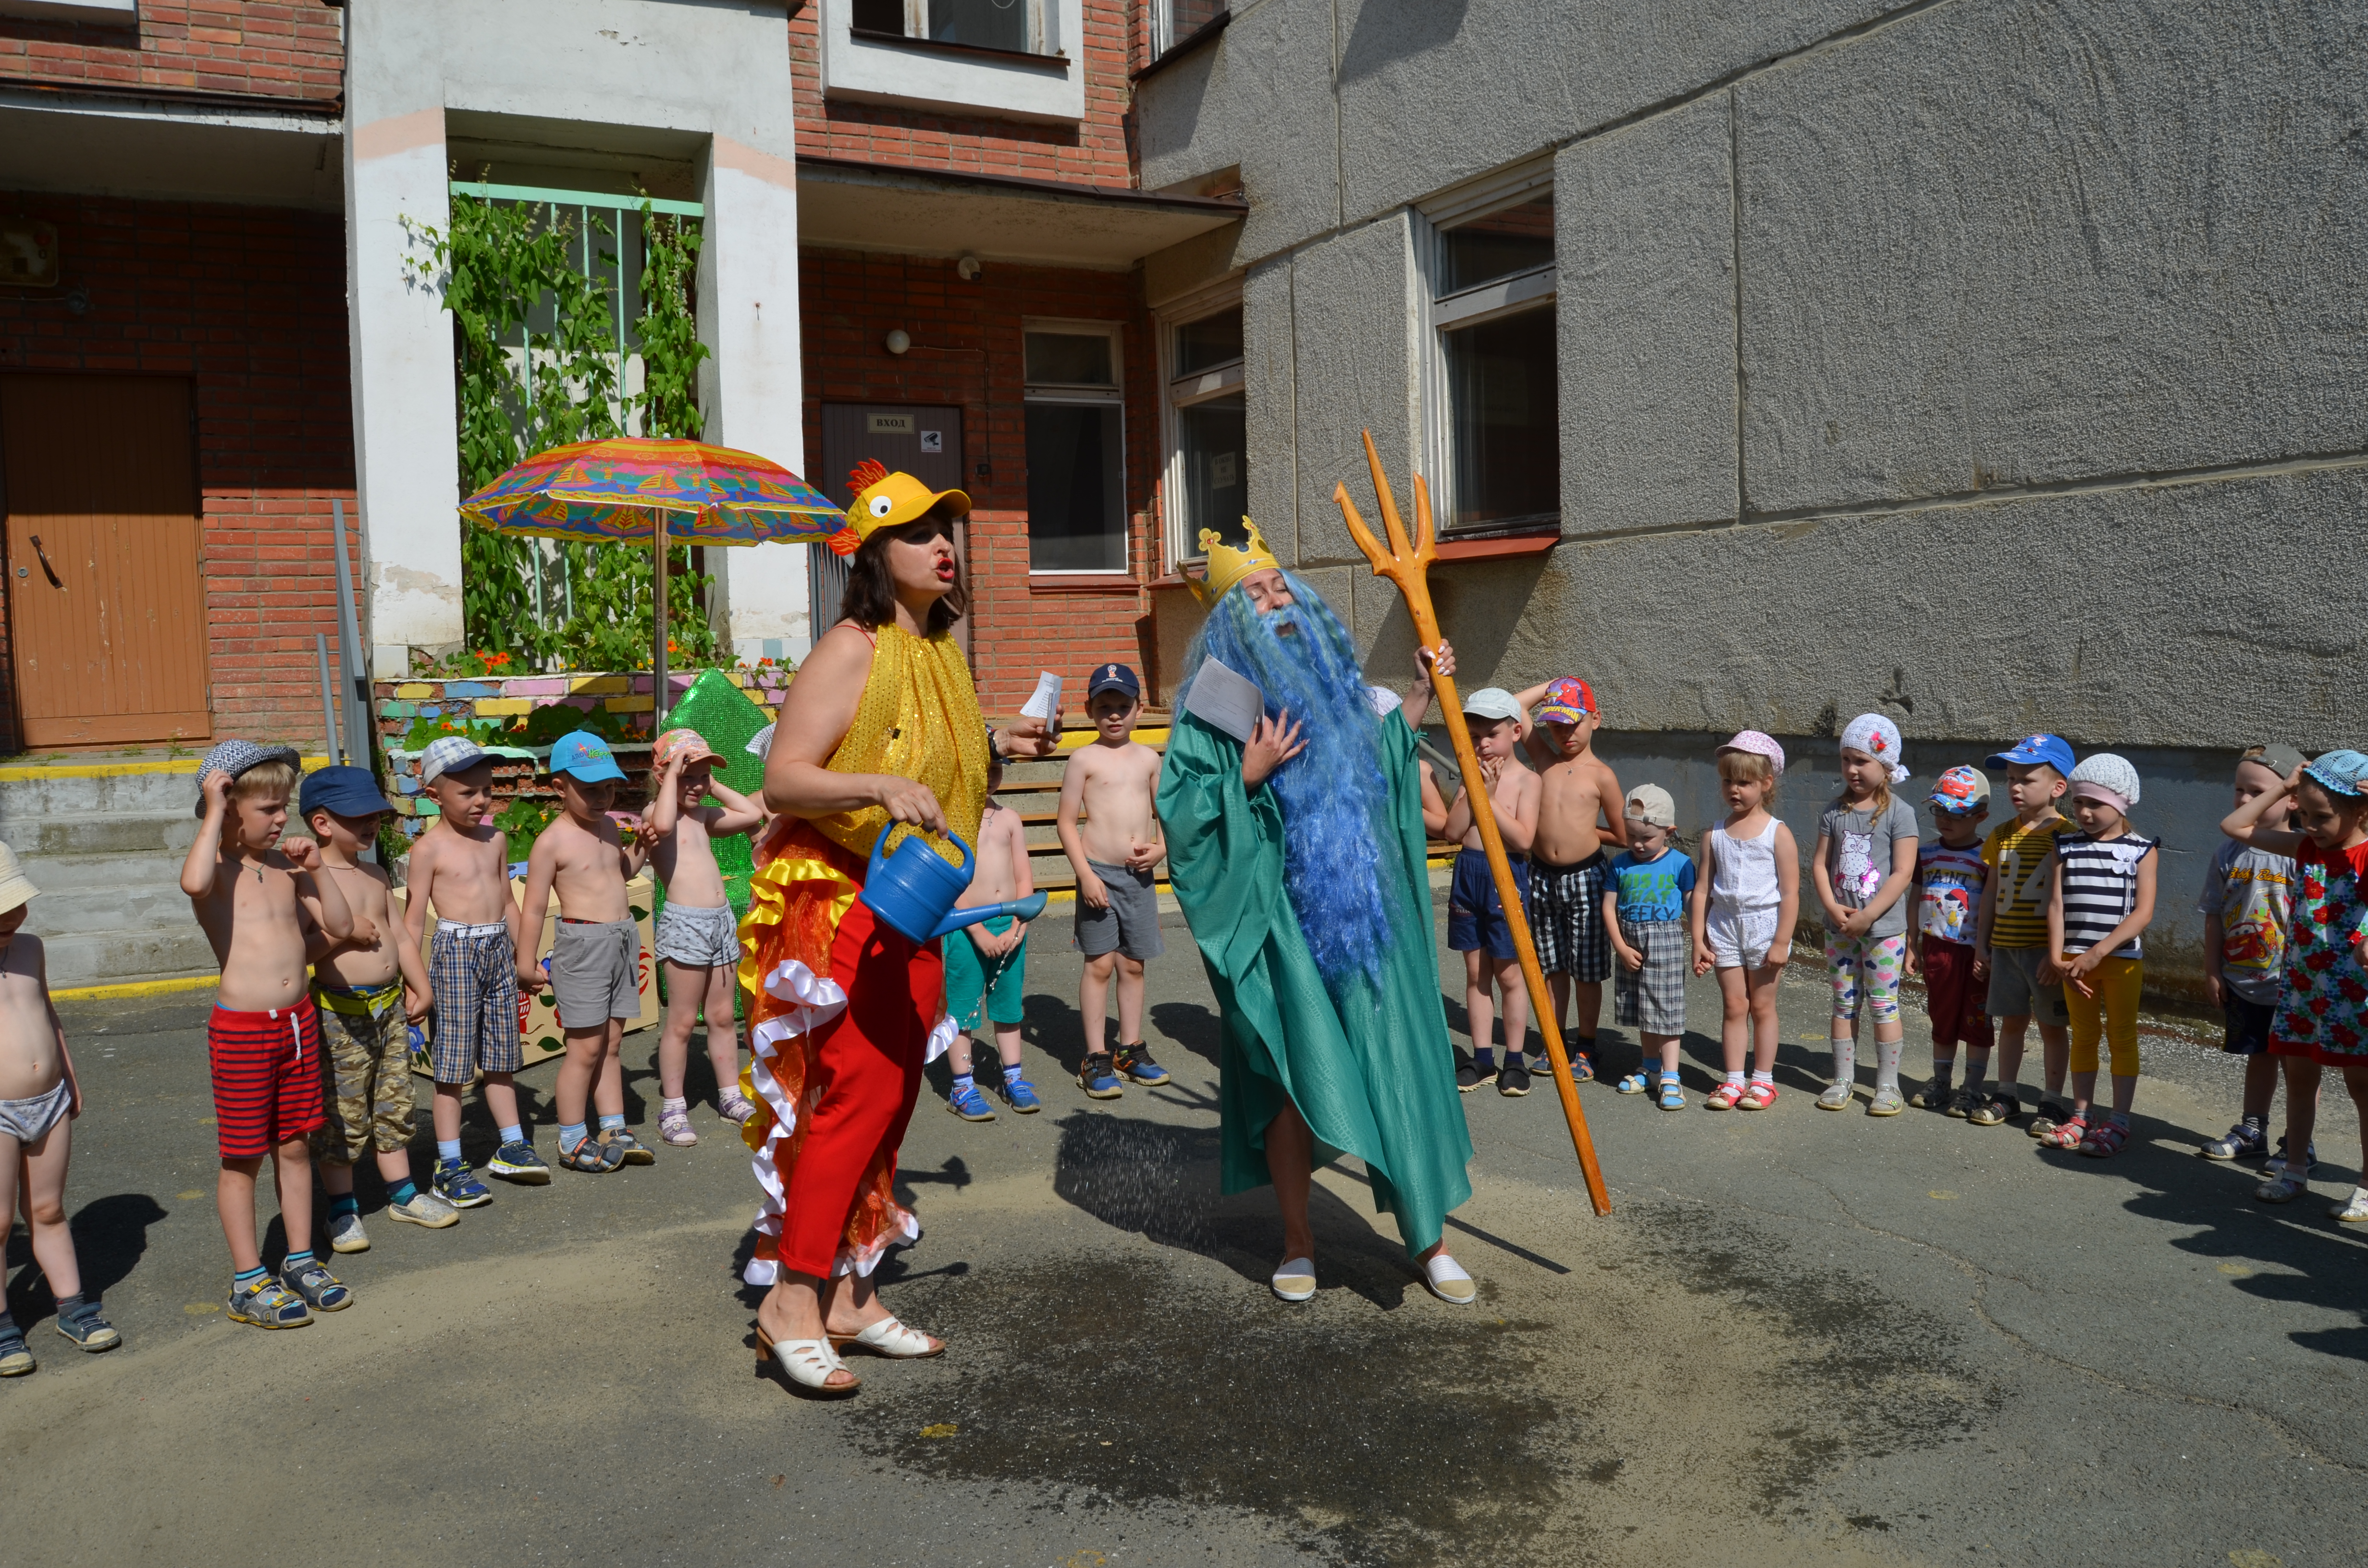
<point x="1995" y="364"/>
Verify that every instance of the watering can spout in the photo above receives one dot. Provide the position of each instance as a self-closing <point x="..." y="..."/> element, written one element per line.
<point x="1027" y="908"/>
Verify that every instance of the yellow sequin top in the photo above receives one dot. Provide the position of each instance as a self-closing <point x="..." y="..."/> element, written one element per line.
<point x="917" y="718"/>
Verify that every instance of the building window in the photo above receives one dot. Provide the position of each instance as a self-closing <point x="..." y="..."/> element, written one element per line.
<point x="1208" y="456"/>
<point x="1021" y="26"/>
<point x="1179" y="19"/>
<point x="1076" y="469"/>
<point x="1497" y="433"/>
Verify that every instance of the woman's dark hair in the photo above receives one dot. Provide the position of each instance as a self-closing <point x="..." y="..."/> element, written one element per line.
<point x="870" y="598"/>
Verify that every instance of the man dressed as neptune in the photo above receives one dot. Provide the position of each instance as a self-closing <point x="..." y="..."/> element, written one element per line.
<point x="1295" y="844"/>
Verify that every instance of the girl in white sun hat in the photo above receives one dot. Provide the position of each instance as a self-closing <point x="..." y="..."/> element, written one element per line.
<point x="2103" y="899"/>
<point x="1864" y="863"/>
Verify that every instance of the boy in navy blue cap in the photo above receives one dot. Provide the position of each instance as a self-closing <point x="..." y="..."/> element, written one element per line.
<point x="1112" y="784"/>
<point x="596" y="958"/>
<point x="369" y="988"/>
<point x="2011" y="931"/>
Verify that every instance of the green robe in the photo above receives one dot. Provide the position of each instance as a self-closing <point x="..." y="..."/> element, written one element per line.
<point x="1381" y="1087"/>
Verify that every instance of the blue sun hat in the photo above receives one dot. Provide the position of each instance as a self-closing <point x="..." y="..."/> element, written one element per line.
<point x="2344" y="772"/>
<point x="584" y="757"/>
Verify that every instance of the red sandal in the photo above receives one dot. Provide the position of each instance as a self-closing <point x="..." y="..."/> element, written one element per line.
<point x="2105" y="1140"/>
<point x="1758" y="1097"/>
<point x="2067" y="1133"/>
<point x="1722" y="1097"/>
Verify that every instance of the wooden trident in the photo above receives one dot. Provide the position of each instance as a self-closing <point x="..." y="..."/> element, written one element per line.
<point x="1408" y="565"/>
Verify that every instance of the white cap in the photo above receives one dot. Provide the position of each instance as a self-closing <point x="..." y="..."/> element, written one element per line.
<point x="1650" y="803"/>
<point x="1493" y="703"/>
<point x="2109" y="773"/>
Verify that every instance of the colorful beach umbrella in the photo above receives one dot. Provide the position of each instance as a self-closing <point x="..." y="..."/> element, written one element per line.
<point x="625" y="491"/>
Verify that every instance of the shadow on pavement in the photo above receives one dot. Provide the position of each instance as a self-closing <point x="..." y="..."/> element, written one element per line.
<point x="110" y="1236"/>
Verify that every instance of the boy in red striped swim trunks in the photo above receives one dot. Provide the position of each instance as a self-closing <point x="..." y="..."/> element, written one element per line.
<point x="255" y="894"/>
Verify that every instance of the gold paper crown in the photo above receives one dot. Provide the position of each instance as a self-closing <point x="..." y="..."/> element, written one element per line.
<point x="1227" y="565"/>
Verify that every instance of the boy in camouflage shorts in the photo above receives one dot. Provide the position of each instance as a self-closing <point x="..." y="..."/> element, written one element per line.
<point x="368" y="988"/>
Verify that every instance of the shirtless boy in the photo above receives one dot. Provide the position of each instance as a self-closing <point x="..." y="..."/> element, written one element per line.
<point x="696" y="937"/>
<point x="369" y="988"/>
<point x="986" y="964"/>
<point x="1110" y="783"/>
<point x="1476" y="926"/>
<point x="255" y="894"/>
<point x="39" y="1100"/>
<point x="1570" y="868"/>
<point x="596" y="958"/>
<point x="460" y="867"/>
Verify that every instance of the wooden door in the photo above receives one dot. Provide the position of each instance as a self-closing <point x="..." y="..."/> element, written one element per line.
<point x="922" y="439"/>
<point x="106" y="606"/>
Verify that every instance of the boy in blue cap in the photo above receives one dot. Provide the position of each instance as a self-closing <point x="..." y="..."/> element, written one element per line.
<point x="1111" y="785"/>
<point x="368" y="987"/>
<point x="2011" y="929"/>
<point x="596" y="958"/>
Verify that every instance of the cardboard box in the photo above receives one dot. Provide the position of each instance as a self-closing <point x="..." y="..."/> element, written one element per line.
<point x="538" y="1031"/>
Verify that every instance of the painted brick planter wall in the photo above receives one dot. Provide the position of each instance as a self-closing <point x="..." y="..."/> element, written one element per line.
<point x="966" y="351"/>
<point x="249" y="304"/>
<point x="291" y="51"/>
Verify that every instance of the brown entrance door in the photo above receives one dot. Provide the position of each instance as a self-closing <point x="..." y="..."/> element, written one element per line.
<point x="105" y="604"/>
<point x="922" y="439"/>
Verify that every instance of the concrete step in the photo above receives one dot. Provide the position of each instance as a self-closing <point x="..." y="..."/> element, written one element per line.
<point x="112" y="957"/>
<point x="62" y="792"/>
<point x="58" y="874"/>
<point x="105" y="910"/>
<point x="129" y="833"/>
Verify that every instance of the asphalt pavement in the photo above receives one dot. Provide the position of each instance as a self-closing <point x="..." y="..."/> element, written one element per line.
<point x="1798" y="1337"/>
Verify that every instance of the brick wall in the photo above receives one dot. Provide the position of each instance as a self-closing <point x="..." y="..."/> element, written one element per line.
<point x="249" y="304"/>
<point x="293" y="50"/>
<point x="1091" y="152"/>
<point x="966" y="351"/>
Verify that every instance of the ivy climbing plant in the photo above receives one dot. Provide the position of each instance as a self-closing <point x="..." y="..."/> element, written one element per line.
<point x="537" y="364"/>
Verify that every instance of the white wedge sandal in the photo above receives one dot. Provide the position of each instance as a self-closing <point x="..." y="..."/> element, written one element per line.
<point x="807" y="1363"/>
<point x="890" y="1338"/>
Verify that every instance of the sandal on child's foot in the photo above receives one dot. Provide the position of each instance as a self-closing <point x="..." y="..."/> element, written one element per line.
<point x="1758" y="1097"/>
<point x="1836" y="1096"/>
<point x="630" y="1150"/>
<point x="2354" y="1212"/>
<point x="674" y="1125"/>
<point x="322" y="1290"/>
<point x="1724" y="1098"/>
<point x="2066" y="1133"/>
<point x="1960" y="1104"/>
<point x="2105" y="1140"/>
<point x="1636" y="1083"/>
<point x="1934" y="1095"/>
<point x="1673" y="1096"/>
<point x="2053" y="1114"/>
<point x="1582" y="1070"/>
<point x="2278" y="1185"/>
<point x="590" y="1157"/>
<point x="736" y="1108"/>
<point x="1994" y="1110"/>
<point x="1886" y="1102"/>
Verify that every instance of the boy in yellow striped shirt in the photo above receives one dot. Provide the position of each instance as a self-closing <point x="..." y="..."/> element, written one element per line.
<point x="2011" y="931"/>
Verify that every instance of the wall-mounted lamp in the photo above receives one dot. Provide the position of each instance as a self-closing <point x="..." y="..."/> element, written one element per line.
<point x="966" y="269"/>
<point x="897" y="340"/>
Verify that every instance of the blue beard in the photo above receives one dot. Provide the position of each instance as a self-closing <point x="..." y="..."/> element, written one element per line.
<point x="1337" y="825"/>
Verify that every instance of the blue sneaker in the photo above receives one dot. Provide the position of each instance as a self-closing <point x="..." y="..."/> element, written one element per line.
<point x="456" y="1186"/>
<point x="1134" y="1062"/>
<point x="1021" y="1094"/>
<point x="970" y="1104"/>
<point x="1098" y="1077"/>
<point x="519" y="1163"/>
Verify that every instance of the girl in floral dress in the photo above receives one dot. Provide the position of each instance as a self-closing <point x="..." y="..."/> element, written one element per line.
<point x="2322" y="1018"/>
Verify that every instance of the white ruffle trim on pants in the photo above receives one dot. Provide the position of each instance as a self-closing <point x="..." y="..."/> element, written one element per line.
<point x="816" y="1000"/>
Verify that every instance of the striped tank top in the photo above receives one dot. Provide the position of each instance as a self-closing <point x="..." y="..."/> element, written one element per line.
<point x="2100" y="887"/>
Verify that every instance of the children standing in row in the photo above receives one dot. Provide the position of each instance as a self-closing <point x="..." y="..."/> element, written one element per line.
<point x="697" y="937"/>
<point x="1644" y="910"/>
<point x="1568" y="871"/>
<point x="2247" y="904"/>
<point x="1110" y="786"/>
<point x="1950" y="876"/>
<point x="39" y="1098"/>
<point x="1476" y="926"/>
<point x="1744" y="928"/>
<point x="1864" y="860"/>
<point x="2101" y="901"/>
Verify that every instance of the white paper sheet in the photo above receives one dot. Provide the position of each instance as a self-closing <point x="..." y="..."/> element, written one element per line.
<point x="1045" y="701"/>
<point x="1226" y="700"/>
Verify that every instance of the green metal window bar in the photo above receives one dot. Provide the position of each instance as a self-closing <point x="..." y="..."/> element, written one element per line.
<point x="623" y="264"/>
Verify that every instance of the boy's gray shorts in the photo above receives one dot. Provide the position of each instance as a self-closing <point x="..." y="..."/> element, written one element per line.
<point x="595" y="973"/>
<point x="2015" y="990"/>
<point x="1131" y="924"/>
<point x="699" y="937"/>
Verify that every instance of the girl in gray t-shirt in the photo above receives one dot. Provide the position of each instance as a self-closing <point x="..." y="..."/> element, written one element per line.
<point x="1864" y="861"/>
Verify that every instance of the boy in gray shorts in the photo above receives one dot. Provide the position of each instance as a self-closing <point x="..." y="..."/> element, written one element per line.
<point x="596" y="958"/>
<point x="697" y="937"/>
<point x="1111" y="832"/>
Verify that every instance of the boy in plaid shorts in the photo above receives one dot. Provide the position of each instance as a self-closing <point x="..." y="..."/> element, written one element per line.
<point x="1567" y="864"/>
<point x="1645" y="906"/>
<point x="369" y="989"/>
<point x="461" y="868"/>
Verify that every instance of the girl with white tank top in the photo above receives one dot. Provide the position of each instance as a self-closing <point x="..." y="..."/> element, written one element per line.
<point x="1743" y="924"/>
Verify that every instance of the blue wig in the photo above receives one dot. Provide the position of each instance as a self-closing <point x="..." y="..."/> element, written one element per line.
<point x="1336" y="816"/>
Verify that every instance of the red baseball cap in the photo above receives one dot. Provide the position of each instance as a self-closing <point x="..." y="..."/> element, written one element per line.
<point x="1567" y="701"/>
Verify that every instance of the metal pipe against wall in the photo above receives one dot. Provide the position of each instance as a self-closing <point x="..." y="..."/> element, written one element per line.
<point x="328" y="704"/>
<point x="353" y="662"/>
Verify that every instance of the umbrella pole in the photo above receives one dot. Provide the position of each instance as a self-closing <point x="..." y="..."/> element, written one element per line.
<point x="658" y="626"/>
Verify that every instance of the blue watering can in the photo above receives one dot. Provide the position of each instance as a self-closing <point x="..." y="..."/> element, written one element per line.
<point x="914" y="890"/>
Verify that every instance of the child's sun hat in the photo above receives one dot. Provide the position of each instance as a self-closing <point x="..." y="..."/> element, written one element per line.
<point x="2106" y="777"/>
<point x="1651" y="804"/>
<point x="15" y="886"/>
<point x="1758" y="744"/>
<point x="1878" y="737"/>
<point x="234" y="756"/>
<point x="686" y="743"/>
<point x="584" y="757"/>
<point x="1568" y="700"/>
<point x="1492" y="702"/>
<point x="448" y="753"/>
<point x="1960" y="791"/>
<point x="2345" y="772"/>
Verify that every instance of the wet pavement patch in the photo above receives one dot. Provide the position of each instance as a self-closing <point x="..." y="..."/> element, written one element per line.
<point x="1412" y="1436"/>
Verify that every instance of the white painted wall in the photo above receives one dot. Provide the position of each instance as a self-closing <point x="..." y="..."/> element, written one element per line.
<point x="706" y="80"/>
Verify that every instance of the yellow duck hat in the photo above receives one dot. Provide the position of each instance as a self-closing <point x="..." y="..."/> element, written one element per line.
<point x="885" y="500"/>
<point x="1227" y="565"/>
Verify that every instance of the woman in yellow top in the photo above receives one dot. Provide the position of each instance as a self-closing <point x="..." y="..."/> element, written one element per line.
<point x="879" y="727"/>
